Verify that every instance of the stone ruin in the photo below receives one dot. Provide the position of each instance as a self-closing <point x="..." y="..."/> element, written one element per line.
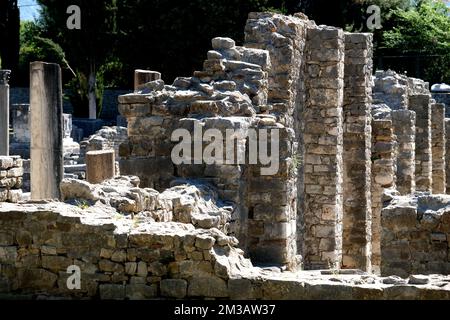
<point x="359" y="189"/>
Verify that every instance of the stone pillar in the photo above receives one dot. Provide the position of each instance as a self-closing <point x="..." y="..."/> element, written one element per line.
<point x="438" y="147"/>
<point x="323" y="140"/>
<point x="420" y="103"/>
<point x="404" y="123"/>
<point x="383" y="147"/>
<point x="357" y="152"/>
<point x="4" y="112"/>
<point x="46" y="130"/>
<point x="100" y="166"/>
<point x="447" y="156"/>
<point x="143" y="76"/>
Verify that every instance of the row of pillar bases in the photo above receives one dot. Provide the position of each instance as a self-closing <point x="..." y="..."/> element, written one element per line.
<point x="46" y="127"/>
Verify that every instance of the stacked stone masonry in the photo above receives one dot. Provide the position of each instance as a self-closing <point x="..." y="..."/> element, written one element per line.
<point x="447" y="156"/>
<point x="124" y="257"/>
<point x="226" y="95"/>
<point x="415" y="235"/>
<point x="11" y="173"/>
<point x="383" y="172"/>
<point x="358" y="157"/>
<point x="315" y="85"/>
<point x="421" y="105"/>
<point x="404" y="123"/>
<point x="357" y="222"/>
<point x="323" y="146"/>
<point x="438" y="148"/>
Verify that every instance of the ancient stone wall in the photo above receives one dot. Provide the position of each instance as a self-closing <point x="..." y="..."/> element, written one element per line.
<point x="286" y="91"/>
<point x="11" y="172"/>
<point x="391" y="89"/>
<point x="42" y="248"/>
<point x="229" y="94"/>
<point x="20" y="142"/>
<point x="418" y="86"/>
<point x="167" y="260"/>
<point x="313" y="85"/>
<point x="302" y="93"/>
<point x="107" y="138"/>
<point x="415" y="233"/>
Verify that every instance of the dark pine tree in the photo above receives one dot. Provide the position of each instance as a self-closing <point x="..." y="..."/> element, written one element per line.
<point x="9" y="36"/>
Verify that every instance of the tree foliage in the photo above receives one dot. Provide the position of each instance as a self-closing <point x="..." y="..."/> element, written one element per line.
<point x="173" y="36"/>
<point x="9" y="35"/>
<point x="87" y="49"/>
<point x="422" y="31"/>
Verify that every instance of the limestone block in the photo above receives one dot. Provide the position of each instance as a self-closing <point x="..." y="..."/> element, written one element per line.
<point x="112" y="291"/>
<point x="174" y="288"/>
<point x="100" y="166"/>
<point x="140" y="291"/>
<point x="142" y="77"/>
<point x="222" y="43"/>
<point x="207" y="287"/>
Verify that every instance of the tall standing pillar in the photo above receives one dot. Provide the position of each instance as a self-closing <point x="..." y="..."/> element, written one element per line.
<point x="420" y="103"/>
<point x="4" y="112"/>
<point x="438" y="147"/>
<point x="323" y="148"/>
<point x="404" y="125"/>
<point x="46" y="130"/>
<point x="447" y="156"/>
<point x="357" y="152"/>
<point x="383" y="175"/>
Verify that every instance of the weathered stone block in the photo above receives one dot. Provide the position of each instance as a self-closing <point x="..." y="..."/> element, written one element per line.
<point x="174" y="288"/>
<point x="112" y="291"/>
<point x="207" y="287"/>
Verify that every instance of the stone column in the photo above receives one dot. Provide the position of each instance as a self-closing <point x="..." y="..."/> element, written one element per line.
<point x="357" y="151"/>
<point x="4" y="112"/>
<point x="420" y="103"/>
<point x="383" y="148"/>
<point x="100" y="165"/>
<point x="447" y="156"/>
<point x="323" y="140"/>
<point x="438" y="147"/>
<point x="404" y="123"/>
<point x="46" y="130"/>
<point x="143" y="76"/>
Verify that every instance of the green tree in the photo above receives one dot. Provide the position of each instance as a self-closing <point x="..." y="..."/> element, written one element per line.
<point x="87" y="49"/>
<point x="173" y="36"/>
<point x="9" y="33"/>
<point x="35" y="47"/>
<point x="422" y="31"/>
<point x="352" y="13"/>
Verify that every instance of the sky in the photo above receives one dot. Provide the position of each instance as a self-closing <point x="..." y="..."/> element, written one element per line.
<point x="29" y="9"/>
